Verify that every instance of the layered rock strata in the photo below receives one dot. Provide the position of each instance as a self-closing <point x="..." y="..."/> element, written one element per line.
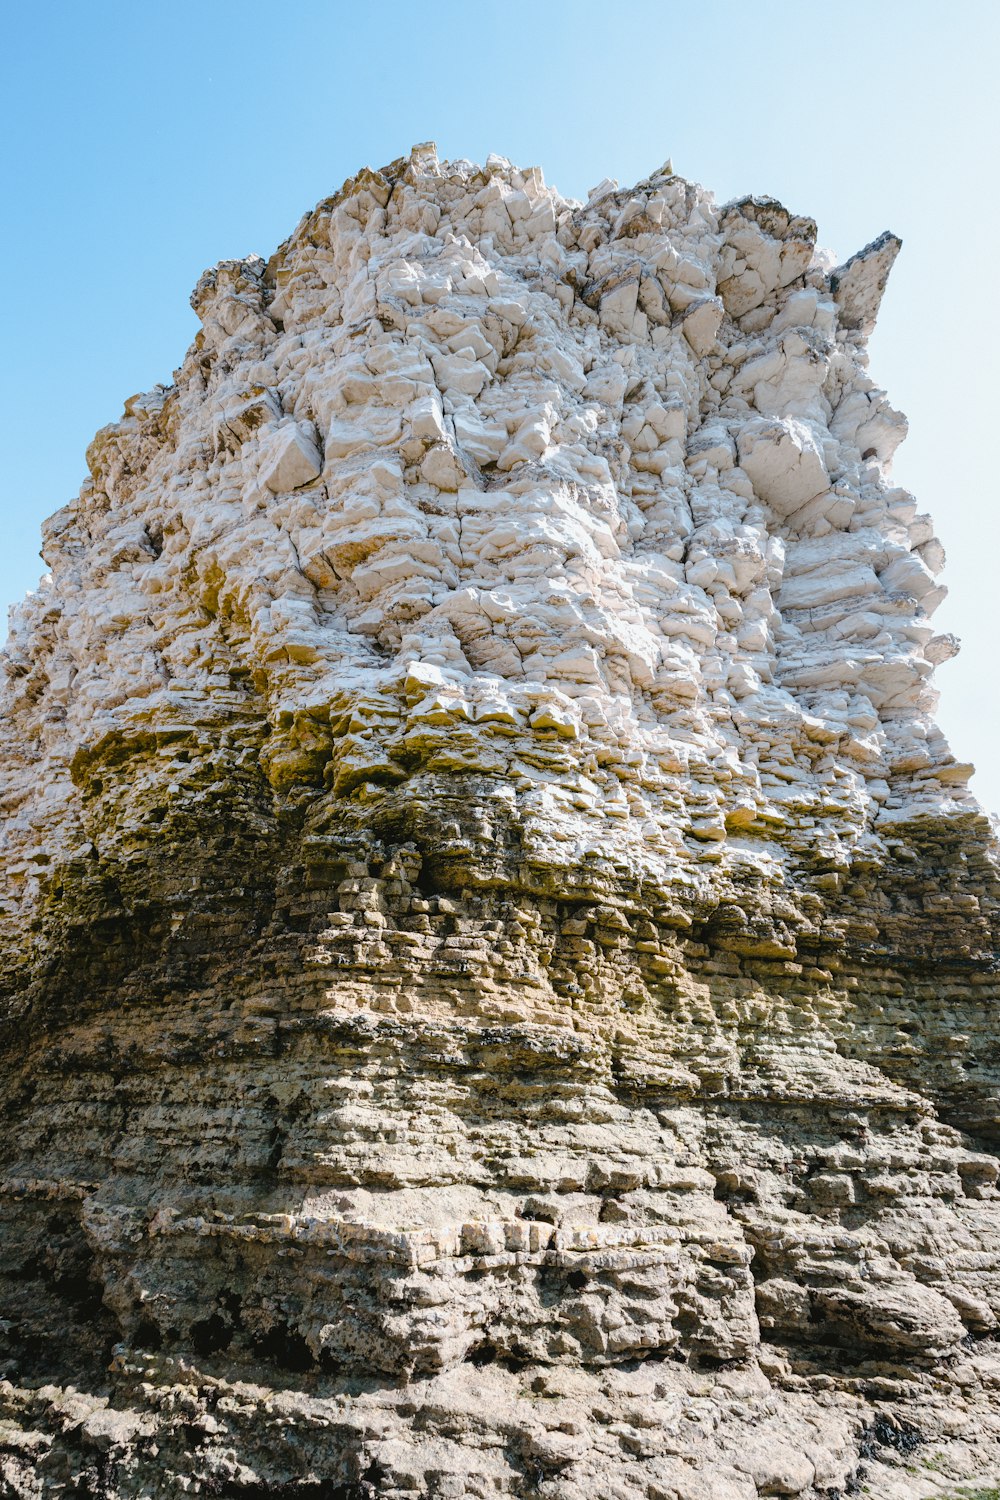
<point x="499" y="961"/>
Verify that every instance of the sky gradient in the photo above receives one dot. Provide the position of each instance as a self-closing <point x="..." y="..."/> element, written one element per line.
<point x="147" y="142"/>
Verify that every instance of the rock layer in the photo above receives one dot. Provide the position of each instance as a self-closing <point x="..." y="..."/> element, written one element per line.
<point x="498" y="959"/>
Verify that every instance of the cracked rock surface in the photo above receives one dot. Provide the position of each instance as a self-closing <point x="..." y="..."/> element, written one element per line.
<point x="499" y="963"/>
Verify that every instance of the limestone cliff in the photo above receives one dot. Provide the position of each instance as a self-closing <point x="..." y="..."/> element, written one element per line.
<point x="499" y="963"/>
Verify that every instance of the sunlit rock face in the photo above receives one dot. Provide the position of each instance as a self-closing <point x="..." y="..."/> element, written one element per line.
<point x="499" y="961"/>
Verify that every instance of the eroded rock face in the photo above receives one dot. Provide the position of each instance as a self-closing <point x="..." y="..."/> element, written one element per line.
<point x="500" y="962"/>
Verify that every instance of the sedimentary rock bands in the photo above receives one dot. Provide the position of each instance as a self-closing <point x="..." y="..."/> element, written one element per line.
<point x="499" y="963"/>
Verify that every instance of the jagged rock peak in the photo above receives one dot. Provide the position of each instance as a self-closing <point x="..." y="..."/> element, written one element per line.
<point x="498" y="959"/>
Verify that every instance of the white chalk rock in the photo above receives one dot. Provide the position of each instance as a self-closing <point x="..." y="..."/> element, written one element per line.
<point x="289" y="459"/>
<point x="700" y="323"/>
<point x="477" y="733"/>
<point x="784" y="461"/>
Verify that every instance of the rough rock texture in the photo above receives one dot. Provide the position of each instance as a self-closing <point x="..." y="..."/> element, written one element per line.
<point x="499" y="962"/>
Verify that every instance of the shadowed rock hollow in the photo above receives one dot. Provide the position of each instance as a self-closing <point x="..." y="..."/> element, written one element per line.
<point x="499" y="962"/>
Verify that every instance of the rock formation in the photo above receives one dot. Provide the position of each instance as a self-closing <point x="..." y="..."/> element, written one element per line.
<point x="499" y="962"/>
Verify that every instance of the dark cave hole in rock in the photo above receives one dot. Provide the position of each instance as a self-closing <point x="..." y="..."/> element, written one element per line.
<point x="276" y="1141"/>
<point x="712" y="1362"/>
<point x="664" y="1353"/>
<point x="147" y="1336"/>
<point x="286" y="1349"/>
<point x="514" y="1363"/>
<point x="211" y="1335"/>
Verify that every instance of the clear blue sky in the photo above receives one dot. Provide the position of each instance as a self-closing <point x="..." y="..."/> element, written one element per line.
<point x="144" y="142"/>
